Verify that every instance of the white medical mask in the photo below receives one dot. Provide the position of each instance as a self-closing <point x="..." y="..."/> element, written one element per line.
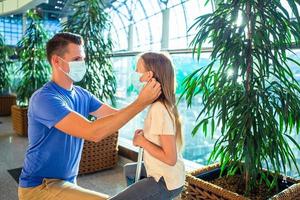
<point x="135" y="80"/>
<point x="77" y="70"/>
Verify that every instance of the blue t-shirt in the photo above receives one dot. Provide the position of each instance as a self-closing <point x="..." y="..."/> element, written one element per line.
<point x="52" y="153"/>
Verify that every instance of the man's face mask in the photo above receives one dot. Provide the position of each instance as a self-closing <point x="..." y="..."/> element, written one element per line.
<point x="77" y="70"/>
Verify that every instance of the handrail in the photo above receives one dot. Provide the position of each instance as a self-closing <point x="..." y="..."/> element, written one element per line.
<point x="174" y="51"/>
<point x="170" y="51"/>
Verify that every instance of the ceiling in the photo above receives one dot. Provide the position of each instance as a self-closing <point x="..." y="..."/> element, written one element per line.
<point x="56" y="8"/>
<point x="53" y="8"/>
<point x="62" y="8"/>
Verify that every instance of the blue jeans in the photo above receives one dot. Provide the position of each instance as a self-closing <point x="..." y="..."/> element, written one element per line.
<point x="146" y="188"/>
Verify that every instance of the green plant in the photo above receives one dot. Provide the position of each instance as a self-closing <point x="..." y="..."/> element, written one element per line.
<point x="34" y="70"/>
<point x="5" y="64"/>
<point x="248" y="88"/>
<point x="91" y="21"/>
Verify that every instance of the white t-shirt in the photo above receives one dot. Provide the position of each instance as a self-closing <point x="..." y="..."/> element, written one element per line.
<point x="158" y="122"/>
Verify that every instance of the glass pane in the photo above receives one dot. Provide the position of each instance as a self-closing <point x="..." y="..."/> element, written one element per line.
<point x="177" y="23"/>
<point x="178" y="43"/>
<point x="295" y="69"/>
<point x="117" y="21"/>
<point x="143" y="35"/>
<point x="156" y="27"/>
<point x="151" y="7"/>
<point x="155" y="46"/>
<point x="124" y="67"/>
<point x="194" y="9"/>
<point x="138" y="12"/>
<point x="172" y="3"/>
<point x="198" y="8"/>
<point x="122" y="36"/>
<point x="115" y="39"/>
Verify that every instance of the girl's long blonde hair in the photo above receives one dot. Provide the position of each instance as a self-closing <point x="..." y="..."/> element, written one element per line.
<point x="161" y="66"/>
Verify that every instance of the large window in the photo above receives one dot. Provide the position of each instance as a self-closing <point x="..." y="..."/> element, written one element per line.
<point x="199" y="147"/>
<point x="11" y="28"/>
<point x="146" y="17"/>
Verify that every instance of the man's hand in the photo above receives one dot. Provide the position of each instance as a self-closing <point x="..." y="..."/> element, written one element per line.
<point x="147" y="76"/>
<point x="149" y="93"/>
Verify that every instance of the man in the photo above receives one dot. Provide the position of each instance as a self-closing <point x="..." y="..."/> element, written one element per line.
<point x="57" y="124"/>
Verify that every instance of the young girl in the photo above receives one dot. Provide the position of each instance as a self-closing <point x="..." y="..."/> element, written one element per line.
<point x="161" y="138"/>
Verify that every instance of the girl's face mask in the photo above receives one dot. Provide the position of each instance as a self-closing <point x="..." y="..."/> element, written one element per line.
<point x="77" y="70"/>
<point x="136" y="81"/>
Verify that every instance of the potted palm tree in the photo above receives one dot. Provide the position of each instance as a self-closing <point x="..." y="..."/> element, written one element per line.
<point x="34" y="70"/>
<point x="92" y="22"/>
<point x="249" y="92"/>
<point x="7" y="99"/>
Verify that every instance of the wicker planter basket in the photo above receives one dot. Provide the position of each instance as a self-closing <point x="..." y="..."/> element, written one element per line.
<point x="99" y="156"/>
<point x="199" y="189"/>
<point x="19" y="120"/>
<point x="6" y="101"/>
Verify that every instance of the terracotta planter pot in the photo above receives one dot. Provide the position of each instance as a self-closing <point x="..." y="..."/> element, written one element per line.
<point x="6" y="101"/>
<point x="100" y="155"/>
<point x="197" y="188"/>
<point x="19" y="120"/>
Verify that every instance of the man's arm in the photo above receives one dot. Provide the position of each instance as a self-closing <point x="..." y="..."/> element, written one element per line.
<point x="104" y="111"/>
<point x="76" y="125"/>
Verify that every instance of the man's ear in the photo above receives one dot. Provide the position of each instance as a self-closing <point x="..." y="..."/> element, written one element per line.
<point x="54" y="61"/>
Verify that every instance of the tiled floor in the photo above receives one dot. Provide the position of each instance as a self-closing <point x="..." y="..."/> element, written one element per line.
<point x="12" y="148"/>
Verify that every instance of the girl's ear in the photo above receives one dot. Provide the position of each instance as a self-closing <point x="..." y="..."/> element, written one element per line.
<point x="147" y="76"/>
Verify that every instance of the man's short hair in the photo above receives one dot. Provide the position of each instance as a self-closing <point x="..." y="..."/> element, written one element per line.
<point x="59" y="42"/>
